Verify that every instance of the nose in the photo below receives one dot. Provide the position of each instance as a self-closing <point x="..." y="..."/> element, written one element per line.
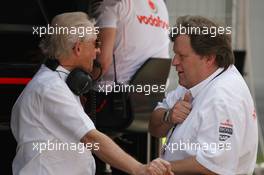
<point x="176" y="60"/>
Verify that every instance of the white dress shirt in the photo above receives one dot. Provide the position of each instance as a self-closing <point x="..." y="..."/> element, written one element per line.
<point x="48" y="113"/>
<point x="221" y="129"/>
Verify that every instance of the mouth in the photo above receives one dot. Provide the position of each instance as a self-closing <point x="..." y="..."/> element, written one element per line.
<point x="180" y="72"/>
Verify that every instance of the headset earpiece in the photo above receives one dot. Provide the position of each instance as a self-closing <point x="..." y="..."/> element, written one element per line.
<point x="78" y="80"/>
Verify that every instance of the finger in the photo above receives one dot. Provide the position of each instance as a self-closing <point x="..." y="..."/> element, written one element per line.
<point x="165" y="164"/>
<point x="154" y="168"/>
<point x="178" y="117"/>
<point x="149" y="171"/>
<point x="182" y="104"/>
<point x="181" y="108"/>
<point x="169" y="173"/>
<point x="168" y="166"/>
<point x="182" y="113"/>
<point x="160" y="168"/>
<point x="184" y="109"/>
<point x="187" y="97"/>
<point x="185" y="104"/>
<point x="179" y="120"/>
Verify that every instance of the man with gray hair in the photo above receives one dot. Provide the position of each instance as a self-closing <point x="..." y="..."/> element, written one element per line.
<point x="209" y="119"/>
<point x="54" y="134"/>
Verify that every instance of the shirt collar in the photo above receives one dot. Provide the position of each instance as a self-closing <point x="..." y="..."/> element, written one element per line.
<point x="197" y="88"/>
<point x="63" y="73"/>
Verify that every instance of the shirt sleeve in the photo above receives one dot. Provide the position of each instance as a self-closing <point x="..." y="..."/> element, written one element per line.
<point x="171" y="98"/>
<point x="219" y="137"/>
<point x="63" y="115"/>
<point x="110" y="12"/>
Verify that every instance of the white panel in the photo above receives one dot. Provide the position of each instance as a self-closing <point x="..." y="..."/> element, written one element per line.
<point x="208" y="8"/>
<point x="256" y="35"/>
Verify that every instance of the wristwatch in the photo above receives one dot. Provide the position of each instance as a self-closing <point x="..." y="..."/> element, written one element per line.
<point x="166" y="118"/>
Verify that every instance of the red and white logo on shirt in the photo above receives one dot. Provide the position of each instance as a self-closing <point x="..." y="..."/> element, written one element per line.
<point x="153" y="6"/>
<point x="153" y="19"/>
<point x="254" y="114"/>
<point x="225" y="130"/>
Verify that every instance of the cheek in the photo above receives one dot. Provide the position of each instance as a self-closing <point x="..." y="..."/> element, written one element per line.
<point x="92" y="55"/>
<point x="88" y="56"/>
<point x="187" y="67"/>
<point x="189" y="71"/>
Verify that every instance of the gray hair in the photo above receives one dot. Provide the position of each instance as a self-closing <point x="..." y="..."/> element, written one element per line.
<point x="65" y="30"/>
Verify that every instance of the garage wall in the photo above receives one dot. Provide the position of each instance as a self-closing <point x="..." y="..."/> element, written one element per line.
<point x="256" y="39"/>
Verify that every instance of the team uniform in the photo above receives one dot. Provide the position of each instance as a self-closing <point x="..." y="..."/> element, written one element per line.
<point x="221" y="129"/>
<point x="47" y="113"/>
<point x="141" y="33"/>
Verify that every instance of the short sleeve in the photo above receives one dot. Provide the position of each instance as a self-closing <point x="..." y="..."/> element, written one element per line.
<point x="63" y="115"/>
<point x="219" y="137"/>
<point x="110" y="12"/>
<point x="171" y="98"/>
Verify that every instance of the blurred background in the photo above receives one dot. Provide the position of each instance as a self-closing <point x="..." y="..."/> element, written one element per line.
<point x="20" y="57"/>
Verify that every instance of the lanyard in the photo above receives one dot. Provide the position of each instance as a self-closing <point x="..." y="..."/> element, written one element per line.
<point x="168" y="140"/>
<point x="174" y="127"/>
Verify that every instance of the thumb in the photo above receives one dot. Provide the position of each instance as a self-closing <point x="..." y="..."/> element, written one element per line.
<point x="187" y="97"/>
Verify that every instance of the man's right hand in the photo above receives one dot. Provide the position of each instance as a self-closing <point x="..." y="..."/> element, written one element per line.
<point x="161" y="122"/>
<point x="181" y="109"/>
<point x="156" y="167"/>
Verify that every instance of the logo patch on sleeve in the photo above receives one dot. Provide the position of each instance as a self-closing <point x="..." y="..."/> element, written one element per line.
<point x="225" y="130"/>
<point x="254" y="114"/>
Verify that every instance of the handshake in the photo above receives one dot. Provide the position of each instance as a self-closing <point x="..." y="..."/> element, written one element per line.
<point x="156" y="167"/>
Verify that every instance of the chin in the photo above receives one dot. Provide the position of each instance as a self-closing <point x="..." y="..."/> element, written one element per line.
<point x="183" y="84"/>
<point x="87" y="68"/>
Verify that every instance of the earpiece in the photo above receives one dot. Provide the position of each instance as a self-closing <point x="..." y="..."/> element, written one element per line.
<point x="79" y="81"/>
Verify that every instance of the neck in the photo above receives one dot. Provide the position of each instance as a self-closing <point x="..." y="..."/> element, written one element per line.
<point x="211" y="71"/>
<point x="205" y="75"/>
<point x="67" y="63"/>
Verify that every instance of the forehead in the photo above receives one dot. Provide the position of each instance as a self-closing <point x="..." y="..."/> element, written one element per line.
<point x="182" y="43"/>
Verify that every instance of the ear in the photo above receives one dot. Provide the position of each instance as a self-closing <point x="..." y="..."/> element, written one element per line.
<point x="77" y="48"/>
<point x="210" y="60"/>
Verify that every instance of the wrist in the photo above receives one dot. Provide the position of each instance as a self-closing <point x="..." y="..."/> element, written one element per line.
<point x="138" y="169"/>
<point x="166" y="117"/>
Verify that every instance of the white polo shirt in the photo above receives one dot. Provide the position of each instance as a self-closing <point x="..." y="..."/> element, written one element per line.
<point x="45" y="114"/>
<point x="141" y="33"/>
<point x="221" y="129"/>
